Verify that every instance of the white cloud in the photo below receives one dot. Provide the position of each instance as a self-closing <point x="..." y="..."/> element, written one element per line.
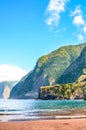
<point x="11" y="73"/>
<point x="80" y="37"/>
<point x="77" y="15"/>
<point x="77" y="11"/>
<point x="78" y="20"/>
<point x="54" y="9"/>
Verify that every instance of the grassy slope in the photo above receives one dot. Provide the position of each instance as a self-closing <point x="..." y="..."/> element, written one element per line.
<point x="76" y="70"/>
<point x="47" y="70"/>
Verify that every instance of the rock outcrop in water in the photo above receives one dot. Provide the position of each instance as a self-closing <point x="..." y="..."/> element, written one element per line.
<point x="62" y="91"/>
<point x="5" y="88"/>
<point x="6" y="93"/>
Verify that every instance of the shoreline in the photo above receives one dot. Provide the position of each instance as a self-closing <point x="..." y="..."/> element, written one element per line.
<point x="18" y="119"/>
<point x="56" y="115"/>
<point x="44" y="118"/>
<point x="63" y="124"/>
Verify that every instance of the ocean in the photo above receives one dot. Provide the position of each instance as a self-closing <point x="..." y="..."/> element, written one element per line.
<point x="17" y="110"/>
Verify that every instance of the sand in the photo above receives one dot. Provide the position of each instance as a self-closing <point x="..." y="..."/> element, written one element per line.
<point x="68" y="124"/>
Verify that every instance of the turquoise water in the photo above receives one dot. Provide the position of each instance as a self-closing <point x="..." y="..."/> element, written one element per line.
<point x="11" y="110"/>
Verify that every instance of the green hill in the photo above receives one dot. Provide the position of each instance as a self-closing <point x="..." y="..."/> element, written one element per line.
<point x="76" y="72"/>
<point x="72" y="83"/>
<point x="47" y="71"/>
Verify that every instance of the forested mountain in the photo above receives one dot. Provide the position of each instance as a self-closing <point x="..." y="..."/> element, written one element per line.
<point x="71" y="84"/>
<point x="76" y="72"/>
<point x="47" y="71"/>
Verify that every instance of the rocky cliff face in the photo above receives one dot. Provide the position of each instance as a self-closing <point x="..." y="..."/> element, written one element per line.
<point x="76" y="72"/>
<point x="47" y="71"/>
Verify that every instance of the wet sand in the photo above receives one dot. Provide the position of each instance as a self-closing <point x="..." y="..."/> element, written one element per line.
<point x="61" y="124"/>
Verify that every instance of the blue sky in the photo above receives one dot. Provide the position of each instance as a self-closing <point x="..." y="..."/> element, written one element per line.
<point x="32" y="28"/>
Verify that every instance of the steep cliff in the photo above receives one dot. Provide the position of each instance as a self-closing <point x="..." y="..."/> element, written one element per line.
<point x="76" y="72"/>
<point x="47" y="71"/>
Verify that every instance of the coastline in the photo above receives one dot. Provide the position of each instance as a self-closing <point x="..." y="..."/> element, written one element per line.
<point x="63" y="124"/>
<point x="49" y="115"/>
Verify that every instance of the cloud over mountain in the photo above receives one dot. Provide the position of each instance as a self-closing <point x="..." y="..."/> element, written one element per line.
<point x="11" y="73"/>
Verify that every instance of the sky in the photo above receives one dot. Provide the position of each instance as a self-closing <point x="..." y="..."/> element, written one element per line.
<point x="32" y="28"/>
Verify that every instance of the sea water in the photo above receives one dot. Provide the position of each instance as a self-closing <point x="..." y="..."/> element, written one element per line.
<point x="16" y="110"/>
